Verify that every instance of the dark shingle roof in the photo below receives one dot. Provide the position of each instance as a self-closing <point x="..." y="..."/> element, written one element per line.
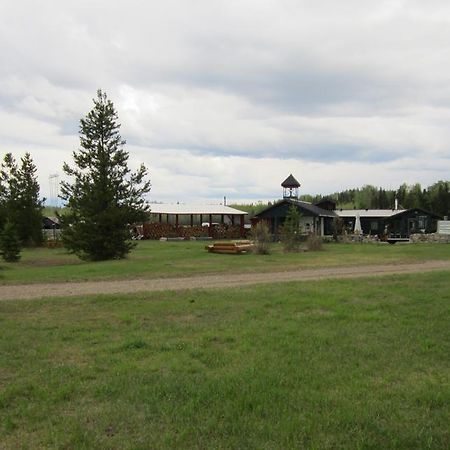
<point x="290" y="182"/>
<point x="313" y="209"/>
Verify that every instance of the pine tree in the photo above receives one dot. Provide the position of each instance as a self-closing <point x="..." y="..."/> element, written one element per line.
<point x="105" y="197"/>
<point x="3" y="197"/>
<point x="8" y="168"/>
<point x="29" y="206"/>
<point x="19" y="199"/>
<point x="290" y="234"/>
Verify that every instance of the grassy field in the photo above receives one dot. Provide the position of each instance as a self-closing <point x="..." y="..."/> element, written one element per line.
<point x="339" y="364"/>
<point x="166" y="259"/>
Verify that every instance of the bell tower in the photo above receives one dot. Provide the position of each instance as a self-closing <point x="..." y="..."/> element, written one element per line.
<point x="290" y="187"/>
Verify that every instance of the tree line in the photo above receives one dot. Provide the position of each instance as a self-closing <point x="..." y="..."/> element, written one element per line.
<point x="434" y="198"/>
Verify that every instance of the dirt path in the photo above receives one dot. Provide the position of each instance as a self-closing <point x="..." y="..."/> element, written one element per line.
<point x="21" y="292"/>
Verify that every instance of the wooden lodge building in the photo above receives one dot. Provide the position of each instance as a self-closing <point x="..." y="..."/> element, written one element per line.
<point x="322" y="218"/>
<point x="392" y="223"/>
<point x="189" y="221"/>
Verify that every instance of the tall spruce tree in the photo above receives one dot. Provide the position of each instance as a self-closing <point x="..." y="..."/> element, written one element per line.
<point x="20" y="204"/>
<point x="105" y="197"/>
<point x="29" y="205"/>
<point x="8" y="169"/>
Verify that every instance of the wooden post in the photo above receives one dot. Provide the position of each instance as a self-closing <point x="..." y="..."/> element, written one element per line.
<point x="167" y="218"/>
<point x="160" y="217"/>
<point x="210" y="226"/>
<point x="176" y="222"/>
<point x="242" y="226"/>
<point x="221" y="219"/>
<point x="192" y="220"/>
<point x="232" y="220"/>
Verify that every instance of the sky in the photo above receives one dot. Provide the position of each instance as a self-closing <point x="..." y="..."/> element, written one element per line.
<point x="228" y="97"/>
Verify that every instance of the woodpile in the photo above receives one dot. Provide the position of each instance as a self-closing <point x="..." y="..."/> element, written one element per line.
<point x="157" y="230"/>
<point x="195" y="231"/>
<point x="226" y="232"/>
<point x="232" y="248"/>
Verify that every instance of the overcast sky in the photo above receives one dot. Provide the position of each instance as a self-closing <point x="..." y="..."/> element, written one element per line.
<point x="228" y="97"/>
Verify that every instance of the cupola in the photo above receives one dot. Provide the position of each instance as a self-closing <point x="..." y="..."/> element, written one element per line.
<point x="290" y="187"/>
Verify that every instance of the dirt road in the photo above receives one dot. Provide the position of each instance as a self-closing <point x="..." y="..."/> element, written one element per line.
<point x="32" y="291"/>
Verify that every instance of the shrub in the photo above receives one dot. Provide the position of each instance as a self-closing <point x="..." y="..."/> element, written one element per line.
<point x="9" y="243"/>
<point x="314" y="243"/>
<point x="262" y="238"/>
<point x="338" y="228"/>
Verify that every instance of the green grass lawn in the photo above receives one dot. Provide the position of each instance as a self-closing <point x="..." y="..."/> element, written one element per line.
<point x="341" y="364"/>
<point x="166" y="259"/>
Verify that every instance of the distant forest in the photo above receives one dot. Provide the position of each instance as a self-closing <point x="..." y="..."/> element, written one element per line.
<point x="434" y="198"/>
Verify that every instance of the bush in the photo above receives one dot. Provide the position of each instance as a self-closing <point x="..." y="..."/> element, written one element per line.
<point x="338" y="228"/>
<point x="262" y="238"/>
<point x="9" y="243"/>
<point x="314" y="243"/>
<point x="290" y="240"/>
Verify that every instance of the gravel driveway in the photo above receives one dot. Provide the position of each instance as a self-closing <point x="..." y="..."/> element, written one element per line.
<point x="32" y="291"/>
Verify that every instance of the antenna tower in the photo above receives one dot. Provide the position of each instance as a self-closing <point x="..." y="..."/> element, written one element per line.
<point x="53" y="180"/>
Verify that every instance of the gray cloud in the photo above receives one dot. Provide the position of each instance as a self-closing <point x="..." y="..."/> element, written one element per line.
<point x="282" y="84"/>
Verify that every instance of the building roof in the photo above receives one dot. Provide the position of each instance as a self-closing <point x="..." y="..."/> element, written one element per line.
<point x="50" y="222"/>
<point x="378" y="213"/>
<point x="326" y="203"/>
<point x="183" y="208"/>
<point x="290" y="182"/>
<point x="313" y="209"/>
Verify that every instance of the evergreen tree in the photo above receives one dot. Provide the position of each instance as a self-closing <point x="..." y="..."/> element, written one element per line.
<point x="28" y="214"/>
<point x="8" y="170"/>
<point x="105" y="196"/>
<point x="290" y="234"/>
<point x="19" y="199"/>
<point x="9" y="243"/>
<point x="3" y="197"/>
<point x="439" y="198"/>
<point x="382" y="200"/>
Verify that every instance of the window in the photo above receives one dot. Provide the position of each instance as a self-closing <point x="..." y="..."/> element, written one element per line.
<point x="422" y="222"/>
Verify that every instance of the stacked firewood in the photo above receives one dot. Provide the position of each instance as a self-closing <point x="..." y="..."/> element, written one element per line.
<point x="195" y="231"/>
<point x="157" y="230"/>
<point x="227" y="232"/>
